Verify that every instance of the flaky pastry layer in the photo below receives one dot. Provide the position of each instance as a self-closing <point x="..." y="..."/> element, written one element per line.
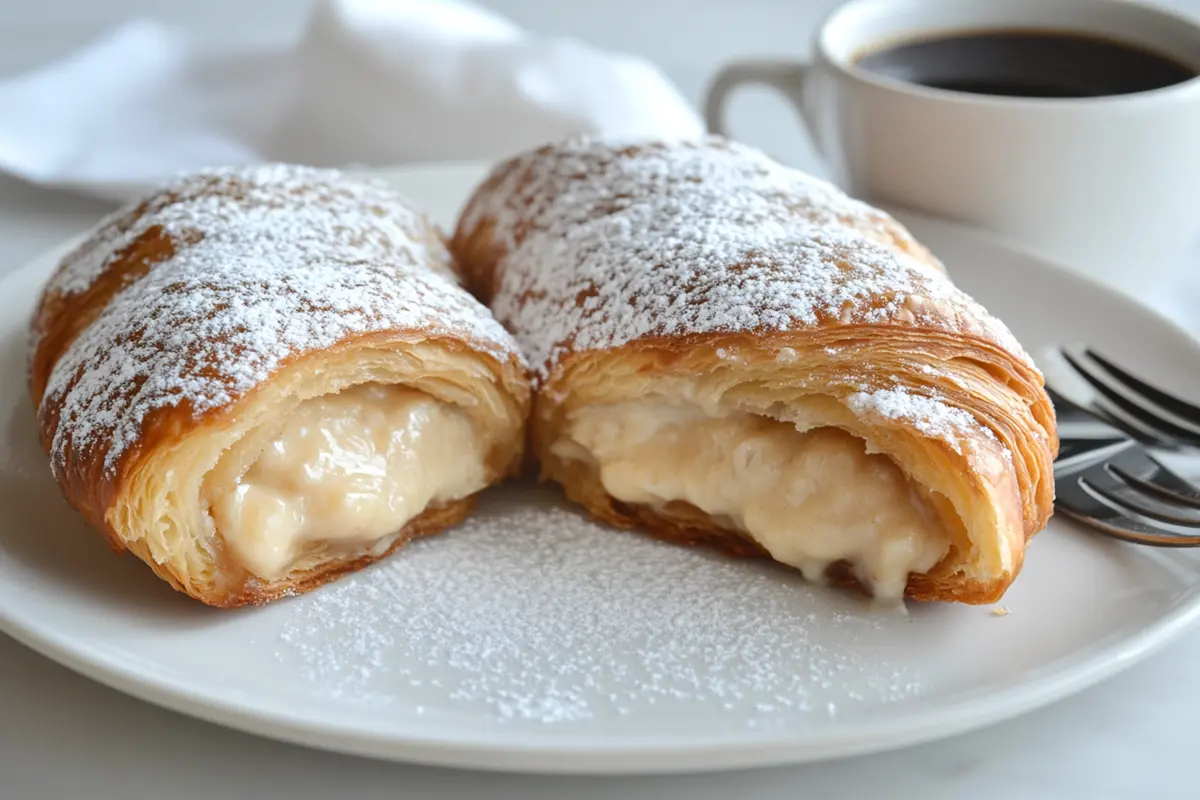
<point x="207" y="313"/>
<point x="705" y="274"/>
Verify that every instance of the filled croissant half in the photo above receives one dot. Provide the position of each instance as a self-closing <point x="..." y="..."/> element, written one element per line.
<point x="259" y="379"/>
<point x="730" y="352"/>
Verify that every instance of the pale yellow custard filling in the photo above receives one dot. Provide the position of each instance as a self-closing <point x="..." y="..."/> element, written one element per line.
<point x="808" y="498"/>
<point x="346" y="470"/>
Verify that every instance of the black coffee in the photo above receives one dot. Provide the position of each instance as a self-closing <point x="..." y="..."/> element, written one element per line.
<point x="1027" y="64"/>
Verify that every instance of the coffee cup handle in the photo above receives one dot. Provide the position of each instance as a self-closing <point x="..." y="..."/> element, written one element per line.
<point x="786" y="77"/>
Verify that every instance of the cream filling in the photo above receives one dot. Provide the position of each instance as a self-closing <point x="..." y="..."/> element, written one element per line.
<point x="810" y="498"/>
<point x="345" y="470"/>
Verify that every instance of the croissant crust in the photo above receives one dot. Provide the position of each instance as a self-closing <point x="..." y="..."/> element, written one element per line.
<point x="219" y="304"/>
<point x="702" y="273"/>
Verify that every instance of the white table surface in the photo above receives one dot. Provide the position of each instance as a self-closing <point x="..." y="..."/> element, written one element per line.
<point x="64" y="737"/>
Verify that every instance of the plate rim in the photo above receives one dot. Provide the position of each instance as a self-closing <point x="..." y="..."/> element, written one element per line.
<point x="570" y="753"/>
<point x="547" y="753"/>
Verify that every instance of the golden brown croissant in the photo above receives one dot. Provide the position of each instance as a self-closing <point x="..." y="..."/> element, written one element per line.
<point x="259" y="379"/>
<point x="731" y="352"/>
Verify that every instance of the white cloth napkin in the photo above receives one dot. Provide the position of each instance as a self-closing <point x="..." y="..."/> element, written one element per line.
<point x="368" y="82"/>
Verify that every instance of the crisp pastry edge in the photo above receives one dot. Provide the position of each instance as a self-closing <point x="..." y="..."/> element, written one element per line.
<point x="433" y="520"/>
<point x="687" y="525"/>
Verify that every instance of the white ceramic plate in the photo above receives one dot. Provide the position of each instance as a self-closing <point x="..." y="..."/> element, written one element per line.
<point x="530" y="639"/>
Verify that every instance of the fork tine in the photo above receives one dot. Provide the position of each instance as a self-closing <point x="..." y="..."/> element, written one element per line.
<point x="1143" y="420"/>
<point x="1077" y="422"/>
<point x="1076" y="501"/>
<point x="1128" y="426"/>
<point x="1070" y="448"/>
<point x="1168" y="402"/>
<point x="1081" y="430"/>
<point x="1118" y="524"/>
<point x="1135" y="467"/>
<point x="1103" y="485"/>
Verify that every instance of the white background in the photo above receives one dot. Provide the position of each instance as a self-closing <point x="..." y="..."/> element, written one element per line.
<point x="63" y="737"/>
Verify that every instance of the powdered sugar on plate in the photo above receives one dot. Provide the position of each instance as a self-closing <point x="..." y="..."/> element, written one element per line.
<point x="528" y="612"/>
<point x="607" y="243"/>
<point x="268" y="263"/>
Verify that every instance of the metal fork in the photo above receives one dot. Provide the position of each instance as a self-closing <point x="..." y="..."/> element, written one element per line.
<point x="1145" y="412"/>
<point x="1107" y="480"/>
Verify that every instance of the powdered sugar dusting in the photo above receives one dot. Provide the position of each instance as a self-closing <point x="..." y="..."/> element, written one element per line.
<point x="932" y="416"/>
<point x="528" y="613"/>
<point x="269" y="262"/>
<point x="318" y="213"/>
<point x="609" y="243"/>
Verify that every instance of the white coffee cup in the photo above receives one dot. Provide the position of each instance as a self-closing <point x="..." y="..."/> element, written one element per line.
<point x="1109" y="185"/>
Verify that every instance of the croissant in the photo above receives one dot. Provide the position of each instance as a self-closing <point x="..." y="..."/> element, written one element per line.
<point x="259" y="379"/>
<point x="729" y="352"/>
